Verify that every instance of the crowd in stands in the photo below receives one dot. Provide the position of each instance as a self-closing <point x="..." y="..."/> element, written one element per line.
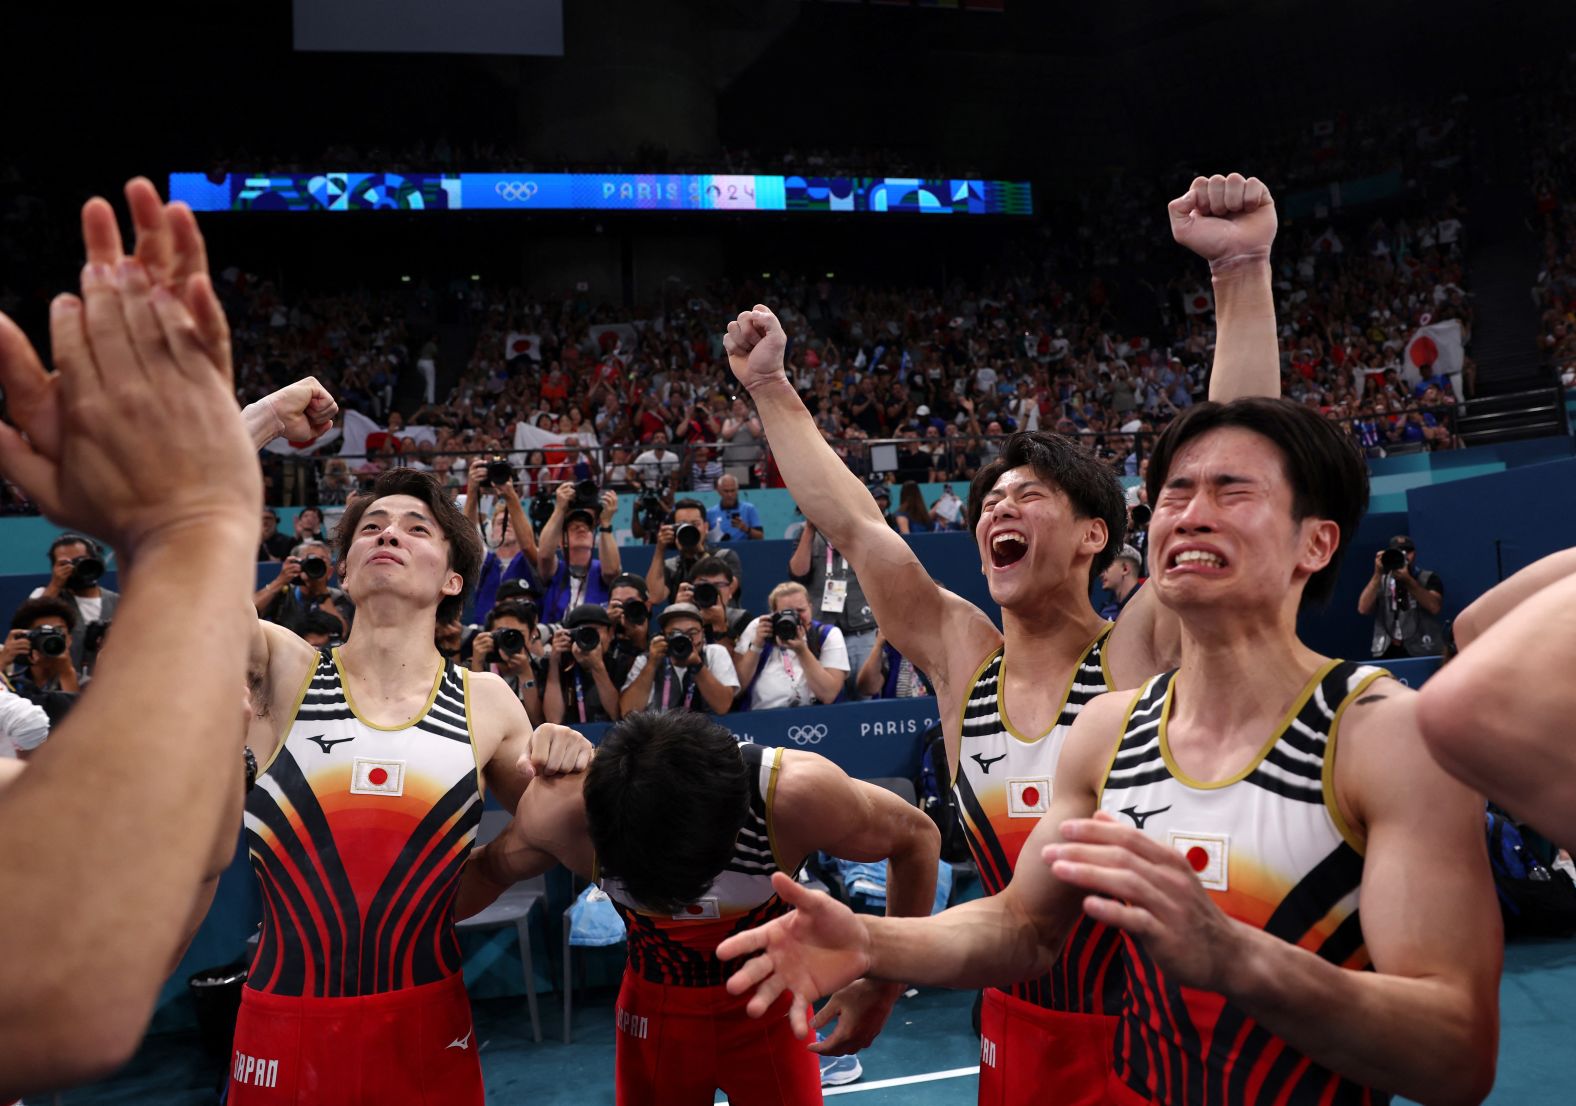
<point x="1551" y="114"/>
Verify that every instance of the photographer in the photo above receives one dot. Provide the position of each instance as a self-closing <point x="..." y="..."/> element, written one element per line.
<point x="76" y="564"/>
<point x="301" y="586"/>
<point x="631" y="616"/>
<point x="888" y="674"/>
<point x="1121" y="578"/>
<point x="734" y="519"/>
<point x="509" y="646"/>
<point x="510" y="541"/>
<point x="578" y="523"/>
<point x="679" y="671"/>
<point x="37" y="656"/>
<point x="321" y="630"/>
<point x="653" y="507"/>
<point x="687" y="532"/>
<point x="835" y="592"/>
<point x="578" y="687"/>
<point x="1405" y="603"/>
<point x="789" y="660"/>
<point x="274" y="546"/>
<point x="712" y="589"/>
<point x="309" y="525"/>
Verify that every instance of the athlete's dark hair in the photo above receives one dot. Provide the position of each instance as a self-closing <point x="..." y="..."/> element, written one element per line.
<point x="1328" y="477"/>
<point x="465" y="544"/>
<point x="1088" y="482"/>
<point x="666" y="795"/>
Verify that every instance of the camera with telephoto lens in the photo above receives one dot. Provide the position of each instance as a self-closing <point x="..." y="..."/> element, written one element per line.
<point x="680" y="646"/>
<point x="636" y="613"/>
<point x="587" y="494"/>
<point x="499" y="473"/>
<point x="587" y="637"/>
<point x="314" y="568"/>
<point x="706" y="595"/>
<point x="48" y="640"/>
<point x="85" y="571"/>
<point x="687" y="534"/>
<point x="1392" y="559"/>
<point x="542" y="505"/>
<point x="785" y="626"/>
<point x="508" y="641"/>
<point x="651" y="514"/>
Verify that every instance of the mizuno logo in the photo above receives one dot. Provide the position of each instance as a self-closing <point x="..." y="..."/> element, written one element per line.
<point x="327" y="743"/>
<point x="461" y="1043"/>
<point x="1139" y="817"/>
<point x="985" y="762"/>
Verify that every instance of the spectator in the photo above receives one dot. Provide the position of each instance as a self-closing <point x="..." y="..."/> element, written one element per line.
<point x="38" y="651"/>
<point x="304" y="583"/>
<point x="887" y="674"/>
<point x="947" y="514"/>
<point x="76" y="564"/>
<point x="835" y="593"/>
<point x="578" y="687"/>
<point x="733" y="518"/>
<point x="693" y="675"/>
<point x="794" y="661"/>
<point x="581" y="576"/>
<point x="1405" y="602"/>
<point x="24" y="725"/>
<point x="321" y="630"/>
<point x="912" y="517"/>
<point x="743" y="432"/>
<point x="309" y="525"/>
<point x="687" y="531"/>
<point x="631" y="615"/>
<point x="1122" y="578"/>
<point x="510" y="647"/>
<point x="274" y="546"/>
<point x="659" y="462"/>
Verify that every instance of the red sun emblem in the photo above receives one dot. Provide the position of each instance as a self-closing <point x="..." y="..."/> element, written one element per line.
<point x="378" y="777"/>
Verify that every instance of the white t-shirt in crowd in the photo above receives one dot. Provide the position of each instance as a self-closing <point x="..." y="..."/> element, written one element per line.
<point x="780" y="679"/>
<point x="718" y="662"/>
<point x="23" y="725"/>
<point x="90" y="608"/>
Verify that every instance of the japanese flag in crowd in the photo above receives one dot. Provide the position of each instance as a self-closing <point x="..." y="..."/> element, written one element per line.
<point x="1198" y="302"/>
<point x="521" y="344"/>
<point x="296" y="449"/>
<point x="1438" y="344"/>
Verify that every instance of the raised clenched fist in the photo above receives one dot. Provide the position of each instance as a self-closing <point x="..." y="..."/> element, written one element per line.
<point x="755" y="343"/>
<point x="1224" y="218"/>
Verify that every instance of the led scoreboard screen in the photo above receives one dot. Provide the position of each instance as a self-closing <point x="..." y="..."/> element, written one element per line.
<point x="596" y="192"/>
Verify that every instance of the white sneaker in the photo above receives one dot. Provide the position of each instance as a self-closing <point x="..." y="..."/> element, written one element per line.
<point x="837" y="1070"/>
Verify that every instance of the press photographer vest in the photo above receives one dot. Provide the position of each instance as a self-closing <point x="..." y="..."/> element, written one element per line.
<point x="1421" y="634"/>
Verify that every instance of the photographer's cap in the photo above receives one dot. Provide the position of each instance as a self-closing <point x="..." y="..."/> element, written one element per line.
<point x="673" y="610"/>
<point x="517" y="589"/>
<point x="630" y="580"/>
<point x="590" y="515"/>
<point x="587" y="614"/>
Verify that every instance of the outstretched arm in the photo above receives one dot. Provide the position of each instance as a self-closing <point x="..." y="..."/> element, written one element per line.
<point x="943" y="634"/>
<point x="548" y="829"/>
<point x="1498" y="716"/>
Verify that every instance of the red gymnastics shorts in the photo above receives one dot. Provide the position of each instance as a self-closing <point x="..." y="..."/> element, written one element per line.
<point x="1030" y="1055"/>
<point x="412" y="1047"/>
<point x="677" y="1046"/>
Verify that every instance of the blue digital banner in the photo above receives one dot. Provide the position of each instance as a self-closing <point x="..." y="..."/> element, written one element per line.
<point x="346" y="191"/>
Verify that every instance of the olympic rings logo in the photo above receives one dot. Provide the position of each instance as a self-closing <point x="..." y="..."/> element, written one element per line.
<point x="807" y="735"/>
<point x="516" y="191"/>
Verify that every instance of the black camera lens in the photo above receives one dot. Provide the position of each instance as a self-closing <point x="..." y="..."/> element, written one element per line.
<point x="706" y="595"/>
<point x="1141" y="514"/>
<point x="587" y="637"/>
<point x="499" y="473"/>
<point x="48" y="640"/>
<point x="680" y="647"/>
<point x="314" y="568"/>
<point x="687" y="534"/>
<point x="1392" y="559"/>
<point x="586" y="491"/>
<point x="508" y="641"/>
<point x="636" y="613"/>
<point x="785" y="626"/>
<point x="85" y="571"/>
